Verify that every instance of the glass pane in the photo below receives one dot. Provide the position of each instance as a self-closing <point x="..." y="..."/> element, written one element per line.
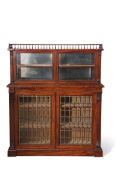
<point x="75" y="120"/>
<point x="34" y="58"/>
<point x="34" y="73"/>
<point x="35" y="119"/>
<point x="76" y="73"/>
<point x="76" y="58"/>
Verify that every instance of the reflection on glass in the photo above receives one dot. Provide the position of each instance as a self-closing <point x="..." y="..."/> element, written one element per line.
<point x="34" y="66"/>
<point x="76" y="58"/>
<point x="34" y="58"/>
<point x="75" y="73"/>
<point x="34" y="73"/>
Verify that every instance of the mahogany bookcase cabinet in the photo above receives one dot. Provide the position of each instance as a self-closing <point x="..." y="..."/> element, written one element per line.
<point x="55" y="99"/>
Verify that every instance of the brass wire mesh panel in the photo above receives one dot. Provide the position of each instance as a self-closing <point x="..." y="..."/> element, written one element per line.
<point x="75" y="120"/>
<point x="34" y="119"/>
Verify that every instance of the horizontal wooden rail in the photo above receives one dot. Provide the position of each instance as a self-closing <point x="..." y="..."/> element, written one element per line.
<point x="55" y="46"/>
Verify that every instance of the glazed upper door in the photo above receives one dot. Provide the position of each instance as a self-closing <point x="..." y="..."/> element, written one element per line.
<point x="34" y="66"/>
<point x="35" y="118"/>
<point x="75" y="120"/>
<point x="76" y="66"/>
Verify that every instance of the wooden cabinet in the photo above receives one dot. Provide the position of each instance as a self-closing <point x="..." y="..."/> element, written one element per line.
<point x="55" y="100"/>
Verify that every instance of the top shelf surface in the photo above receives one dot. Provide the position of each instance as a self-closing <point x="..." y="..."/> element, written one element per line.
<point x="55" y="47"/>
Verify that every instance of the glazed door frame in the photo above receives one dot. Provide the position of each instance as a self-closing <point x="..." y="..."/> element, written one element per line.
<point x="14" y="66"/>
<point x="52" y="133"/>
<point x="94" y="120"/>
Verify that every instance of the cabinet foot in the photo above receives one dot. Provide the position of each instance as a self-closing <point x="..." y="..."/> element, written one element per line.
<point x="11" y="152"/>
<point x="98" y="152"/>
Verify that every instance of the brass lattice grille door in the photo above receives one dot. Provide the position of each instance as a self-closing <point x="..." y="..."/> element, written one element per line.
<point x="75" y="126"/>
<point x="35" y="119"/>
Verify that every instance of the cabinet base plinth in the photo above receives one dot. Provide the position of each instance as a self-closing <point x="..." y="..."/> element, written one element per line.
<point x="54" y="152"/>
